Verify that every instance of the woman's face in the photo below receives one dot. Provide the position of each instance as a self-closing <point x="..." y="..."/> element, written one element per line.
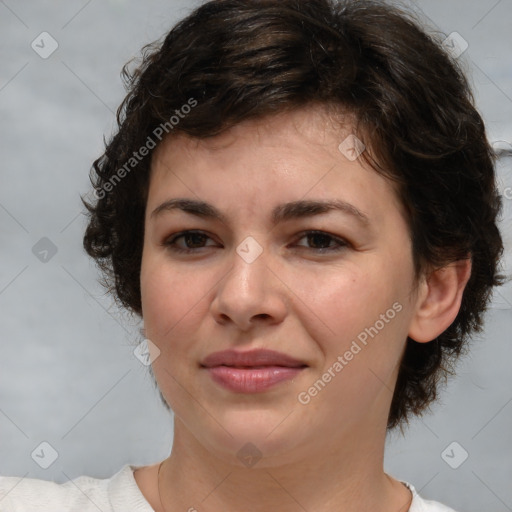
<point x="338" y="302"/>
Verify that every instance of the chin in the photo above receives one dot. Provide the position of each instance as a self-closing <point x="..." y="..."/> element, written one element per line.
<point x="256" y="439"/>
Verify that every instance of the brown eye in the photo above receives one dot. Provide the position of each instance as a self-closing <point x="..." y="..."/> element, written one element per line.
<point x="321" y="241"/>
<point x="318" y="241"/>
<point x="193" y="240"/>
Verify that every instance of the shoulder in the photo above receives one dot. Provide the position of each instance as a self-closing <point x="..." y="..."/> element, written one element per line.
<point x="84" y="494"/>
<point x="421" y="505"/>
<point x="23" y="494"/>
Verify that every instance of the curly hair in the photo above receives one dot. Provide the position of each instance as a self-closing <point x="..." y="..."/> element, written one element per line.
<point x="233" y="60"/>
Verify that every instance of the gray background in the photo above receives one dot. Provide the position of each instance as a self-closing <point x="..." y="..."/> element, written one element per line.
<point x="68" y="374"/>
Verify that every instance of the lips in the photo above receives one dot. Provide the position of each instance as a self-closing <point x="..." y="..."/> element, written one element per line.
<point x="258" y="358"/>
<point x="256" y="371"/>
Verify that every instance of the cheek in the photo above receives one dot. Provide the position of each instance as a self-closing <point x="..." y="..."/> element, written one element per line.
<point x="170" y="298"/>
<point x="361" y="312"/>
<point x="172" y="310"/>
<point x="366" y="323"/>
<point x="175" y="304"/>
<point x="347" y="300"/>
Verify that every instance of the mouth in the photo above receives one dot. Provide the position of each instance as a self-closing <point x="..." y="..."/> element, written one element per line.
<point x="254" y="359"/>
<point x="251" y="372"/>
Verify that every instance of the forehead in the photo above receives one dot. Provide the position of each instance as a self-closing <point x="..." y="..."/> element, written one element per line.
<point x="315" y="124"/>
<point x="300" y="154"/>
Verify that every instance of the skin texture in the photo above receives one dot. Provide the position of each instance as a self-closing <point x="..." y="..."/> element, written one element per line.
<point x="311" y="304"/>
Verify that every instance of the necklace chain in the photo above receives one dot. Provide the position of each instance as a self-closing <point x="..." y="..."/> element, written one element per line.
<point x="158" y="485"/>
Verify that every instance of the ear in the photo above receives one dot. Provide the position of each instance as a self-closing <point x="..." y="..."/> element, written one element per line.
<point x="438" y="301"/>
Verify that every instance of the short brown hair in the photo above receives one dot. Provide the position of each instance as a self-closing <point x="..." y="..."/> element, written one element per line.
<point x="247" y="59"/>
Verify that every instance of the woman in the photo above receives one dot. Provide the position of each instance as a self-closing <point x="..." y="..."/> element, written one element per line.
<point x="300" y="203"/>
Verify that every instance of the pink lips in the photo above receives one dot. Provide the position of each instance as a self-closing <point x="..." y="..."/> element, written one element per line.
<point x="251" y="372"/>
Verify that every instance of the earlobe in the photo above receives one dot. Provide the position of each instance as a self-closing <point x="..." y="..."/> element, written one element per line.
<point x="439" y="300"/>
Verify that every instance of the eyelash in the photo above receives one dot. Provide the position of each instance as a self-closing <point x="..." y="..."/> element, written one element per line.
<point x="342" y="244"/>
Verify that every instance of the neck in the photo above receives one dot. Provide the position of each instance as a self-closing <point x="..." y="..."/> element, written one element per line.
<point x="349" y="479"/>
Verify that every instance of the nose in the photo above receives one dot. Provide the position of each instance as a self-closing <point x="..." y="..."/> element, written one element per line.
<point x="250" y="294"/>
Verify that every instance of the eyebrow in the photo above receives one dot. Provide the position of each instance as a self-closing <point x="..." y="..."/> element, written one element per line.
<point x="281" y="213"/>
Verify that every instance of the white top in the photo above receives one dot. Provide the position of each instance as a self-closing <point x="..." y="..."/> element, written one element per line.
<point x="120" y="493"/>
